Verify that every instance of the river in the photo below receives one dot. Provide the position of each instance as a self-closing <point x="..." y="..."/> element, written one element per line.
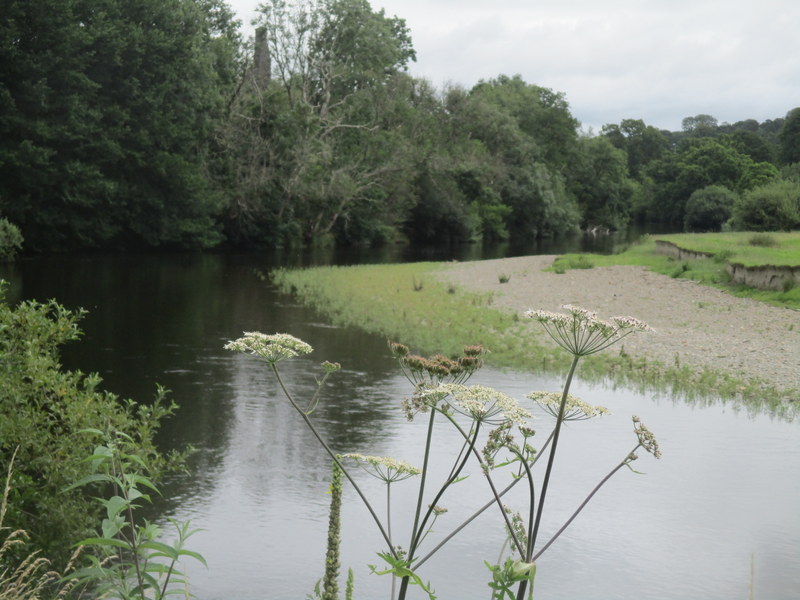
<point x="716" y="518"/>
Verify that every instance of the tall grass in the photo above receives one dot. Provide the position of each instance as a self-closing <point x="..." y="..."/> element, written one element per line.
<point x="381" y="299"/>
<point x="28" y="577"/>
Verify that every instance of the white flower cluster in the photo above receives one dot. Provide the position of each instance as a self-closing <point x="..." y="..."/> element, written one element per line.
<point x="385" y="468"/>
<point x="481" y="403"/>
<point x="581" y="332"/>
<point x="272" y="348"/>
<point x="575" y="409"/>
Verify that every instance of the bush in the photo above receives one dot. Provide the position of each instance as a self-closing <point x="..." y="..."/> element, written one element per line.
<point x="772" y="207"/>
<point x="42" y="408"/>
<point x="764" y="240"/>
<point x="10" y="240"/>
<point x="708" y="208"/>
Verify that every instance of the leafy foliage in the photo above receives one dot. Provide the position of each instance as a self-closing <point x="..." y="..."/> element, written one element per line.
<point x="10" y="240"/>
<point x="42" y="409"/>
<point x="140" y="123"/>
<point x="107" y="110"/>
<point x="708" y="208"/>
<point x="772" y="207"/>
<point x="789" y="138"/>
<point x="131" y="561"/>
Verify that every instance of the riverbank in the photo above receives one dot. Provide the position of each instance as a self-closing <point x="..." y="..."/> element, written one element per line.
<point x="696" y="325"/>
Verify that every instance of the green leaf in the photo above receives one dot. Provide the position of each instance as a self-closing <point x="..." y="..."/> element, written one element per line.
<point x="113" y="526"/>
<point x="97" y="477"/>
<point x="195" y="555"/>
<point x="115" y="505"/>
<point x="164" y="549"/>
<point x="99" y="541"/>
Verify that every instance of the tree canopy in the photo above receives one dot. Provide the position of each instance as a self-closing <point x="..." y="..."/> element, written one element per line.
<point x="106" y="114"/>
<point x="144" y="123"/>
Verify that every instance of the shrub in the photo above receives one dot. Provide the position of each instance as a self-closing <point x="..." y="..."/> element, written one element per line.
<point x="708" y="208"/>
<point x="42" y="408"/>
<point x="763" y="240"/>
<point x="10" y="240"/>
<point x="772" y="207"/>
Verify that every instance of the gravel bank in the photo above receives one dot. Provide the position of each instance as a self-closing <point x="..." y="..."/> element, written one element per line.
<point x="699" y="325"/>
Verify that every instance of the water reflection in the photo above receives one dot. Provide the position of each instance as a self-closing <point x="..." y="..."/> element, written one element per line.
<point x="724" y="494"/>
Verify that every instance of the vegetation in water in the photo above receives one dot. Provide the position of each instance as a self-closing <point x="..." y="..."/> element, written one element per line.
<point x="497" y="440"/>
<point x="380" y="299"/>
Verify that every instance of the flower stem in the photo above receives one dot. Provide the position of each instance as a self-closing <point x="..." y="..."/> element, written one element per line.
<point x="335" y="459"/>
<point x="550" y="459"/>
<point x="583" y="504"/>
<point x="483" y="508"/>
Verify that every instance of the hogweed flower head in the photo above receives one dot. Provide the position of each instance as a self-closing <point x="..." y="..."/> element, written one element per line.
<point x="575" y="409"/>
<point x="271" y="348"/>
<point x="581" y="332"/>
<point x="329" y="367"/>
<point x="421" y="370"/>
<point x="480" y="403"/>
<point x="499" y="438"/>
<point x="385" y="468"/>
<point x="647" y="439"/>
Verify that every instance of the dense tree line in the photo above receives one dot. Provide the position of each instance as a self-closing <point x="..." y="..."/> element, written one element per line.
<point x="150" y="123"/>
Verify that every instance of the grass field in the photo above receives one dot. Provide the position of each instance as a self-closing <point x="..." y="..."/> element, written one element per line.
<point x="747" y="248"/>
<point x="726" y="247"/>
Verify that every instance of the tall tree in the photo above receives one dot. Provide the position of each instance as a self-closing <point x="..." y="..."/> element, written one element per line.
<point x="108" y="114"/>
<point x="319" y="144"/>
<point x="642" y="143"/>
<point x="789" y="138"/>
<point x="601" y="184"/>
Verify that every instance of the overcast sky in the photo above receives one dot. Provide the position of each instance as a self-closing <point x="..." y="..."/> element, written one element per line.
<point x="656" y="60"/>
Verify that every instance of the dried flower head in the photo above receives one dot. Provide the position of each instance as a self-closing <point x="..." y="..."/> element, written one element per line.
<point x="437" y="368"/>
<point x="385" y="468"/>
<point x="481" y="403"/>
<point x="398" y="350"/>
<point x="647" y="439"/>
<point x="272" y="348"/>
<point x="581" y="332"/>
<point x="575" y="409"/>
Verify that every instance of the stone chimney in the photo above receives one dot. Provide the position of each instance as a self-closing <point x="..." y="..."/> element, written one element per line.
<point x="262" y="65"/>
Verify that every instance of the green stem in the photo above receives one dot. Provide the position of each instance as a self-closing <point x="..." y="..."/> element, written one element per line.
<point x="583" y="504"/>
<point x="553" y="448"/>
<point x="389" y="525"/>
<point x="483" y="508"/>
<point x="442" y="490"/>
<point x="418" y="511"/>
<point x="335" y="459"/>
<point x="423" y="478"/>
<point x="549" y="469"/>
<point x="417" y="536"/>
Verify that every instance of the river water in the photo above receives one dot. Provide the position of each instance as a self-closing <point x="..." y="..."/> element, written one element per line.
<point x="716" y="518"/>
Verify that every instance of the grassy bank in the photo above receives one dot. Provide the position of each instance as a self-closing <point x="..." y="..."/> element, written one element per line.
<point x="726" y="247"/>
<point x="406" y="303"/>
<point x="747" y="248"/>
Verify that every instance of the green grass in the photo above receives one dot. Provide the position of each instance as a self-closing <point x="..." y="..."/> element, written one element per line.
<point x="739" y="246"/>
<point x="728" y="246"/>
<point x="388" y="300"/>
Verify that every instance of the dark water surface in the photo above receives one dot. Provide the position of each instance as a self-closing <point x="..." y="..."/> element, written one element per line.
<point x="715" y="516"/>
